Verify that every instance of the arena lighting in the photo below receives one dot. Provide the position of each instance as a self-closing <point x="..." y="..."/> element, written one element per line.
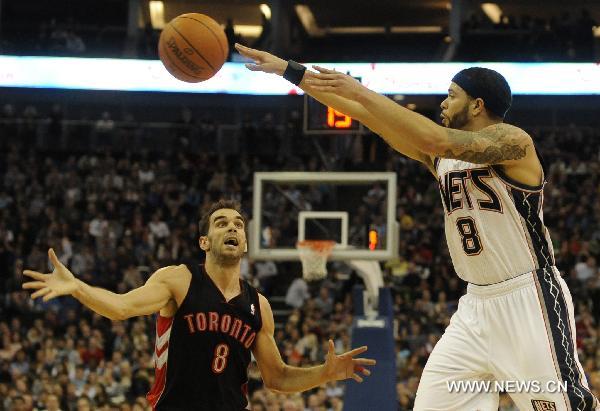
<point x="307" y="18"/>
<point x="247" y="30"/>
<point x="157" y="14"/>
<point x="356" y="30"/>
<point x="234" y="78"/>
<point x="265" y="10"/>
<point x="416" y="29"/>
<point x="382" y="29"/>
<point x="493" y="11"/>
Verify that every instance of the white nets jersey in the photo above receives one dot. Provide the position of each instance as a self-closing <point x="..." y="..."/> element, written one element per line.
<point x="494" y="225"/>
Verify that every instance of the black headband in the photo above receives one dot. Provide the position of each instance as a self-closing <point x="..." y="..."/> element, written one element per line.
<point x="489" y="85"/>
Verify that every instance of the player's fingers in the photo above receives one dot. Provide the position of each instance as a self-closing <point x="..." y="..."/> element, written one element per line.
<point x="364" y="361"/>
<point x="53" y="258"/>
<point x="36" y="285"/>
<point x="324" y="70"/>
<point x="357" y="377"/>
<point x="333" y="83"/>
<point x="250" y="53"/>
<point x="253" y="67"/>
<point x="322" y="82"/>
<point x="40" y="293"/>
<point x="331" y="347"/>
<point x="324" y="89"/>
<point x="323" y="76"/>
<point x="34" y="274"/>
<point x="363" y="370"/>
<point x="50" y="296"/>
<point x="244" y="49"/>
<point x="356" y="351"/>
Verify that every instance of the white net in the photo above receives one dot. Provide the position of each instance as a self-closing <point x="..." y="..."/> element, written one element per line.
<point x="313" y="255"/>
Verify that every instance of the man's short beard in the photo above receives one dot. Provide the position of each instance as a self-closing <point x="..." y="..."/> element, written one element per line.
<point x="227" y="259"/>
<point x="459" y="119"/>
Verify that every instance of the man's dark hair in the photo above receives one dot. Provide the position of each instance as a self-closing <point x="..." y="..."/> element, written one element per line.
<point x="222" y="203"/>
<point x="487" y="84"/>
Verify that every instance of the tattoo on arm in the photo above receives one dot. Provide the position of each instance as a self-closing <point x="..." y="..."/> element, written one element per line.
<point x="492" y="145"/>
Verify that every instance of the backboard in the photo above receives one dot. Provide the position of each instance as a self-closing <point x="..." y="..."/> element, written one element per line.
<point x="355" y="209"/>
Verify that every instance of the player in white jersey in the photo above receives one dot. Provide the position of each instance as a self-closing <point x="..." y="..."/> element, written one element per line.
<point x="515" y="325"/>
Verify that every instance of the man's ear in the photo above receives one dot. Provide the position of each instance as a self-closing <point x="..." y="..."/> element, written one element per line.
<point x="478" y="106"/>
<point x="204" y="243"/>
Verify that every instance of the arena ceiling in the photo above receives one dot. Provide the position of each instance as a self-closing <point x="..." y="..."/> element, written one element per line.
<point x="354" y="16"/>
<point x="319" y="17"/>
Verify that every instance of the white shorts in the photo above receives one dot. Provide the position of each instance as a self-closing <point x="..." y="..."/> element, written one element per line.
<point x="520" y="336"/>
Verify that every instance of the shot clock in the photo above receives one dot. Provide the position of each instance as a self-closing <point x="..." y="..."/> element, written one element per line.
<point x="321" y="119"/>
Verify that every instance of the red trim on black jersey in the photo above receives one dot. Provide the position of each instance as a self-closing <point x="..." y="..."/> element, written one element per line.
<point x="161" y="352"/>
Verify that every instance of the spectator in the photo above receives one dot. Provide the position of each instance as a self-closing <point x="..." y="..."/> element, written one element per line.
<point x="158" y="227"/>
<point x="266" y="273"/>
<point x="51" y="403"/>
<point x="586" y="270"/>
<point x="297" y="293"/>
<point x="84" y="404"/>
<point x="324" y="301"/>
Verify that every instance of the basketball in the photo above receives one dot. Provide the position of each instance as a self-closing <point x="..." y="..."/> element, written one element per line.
<point x="193" y="47"/>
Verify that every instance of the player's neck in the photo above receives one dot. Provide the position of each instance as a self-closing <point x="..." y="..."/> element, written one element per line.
<point x="226" y="277"/>
<point x="479" y="123"/>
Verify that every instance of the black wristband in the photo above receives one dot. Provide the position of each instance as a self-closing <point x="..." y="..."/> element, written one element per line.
<point x="294" y="72"/>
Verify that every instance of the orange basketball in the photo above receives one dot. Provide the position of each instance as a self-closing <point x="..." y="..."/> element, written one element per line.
<point x="193" y="47"/>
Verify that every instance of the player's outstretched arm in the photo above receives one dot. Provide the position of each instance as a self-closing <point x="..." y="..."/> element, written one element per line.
<point x="497" y="144"/>
<point x="147" y="299"/>
<point x="268" y="63"/>
<point x="281" y="377"/>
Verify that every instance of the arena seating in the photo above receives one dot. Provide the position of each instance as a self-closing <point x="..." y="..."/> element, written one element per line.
<point x="115" y="215"/>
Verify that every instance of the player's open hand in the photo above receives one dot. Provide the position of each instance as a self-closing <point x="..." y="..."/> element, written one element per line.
<point x="331" y="81"/>
<point x="262" y="61"/>
<point x="60" y="282"/>
<point x="345" y="366"/>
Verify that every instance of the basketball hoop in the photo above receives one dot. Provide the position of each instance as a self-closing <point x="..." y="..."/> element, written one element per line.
<point x="313" y="254"/>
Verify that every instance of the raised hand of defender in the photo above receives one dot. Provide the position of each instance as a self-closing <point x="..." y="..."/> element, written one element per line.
<point x="60" y="282"/>
<point x="331" y="81"/>
<point x="344" y="366"/>
<point x="262" y="61"/>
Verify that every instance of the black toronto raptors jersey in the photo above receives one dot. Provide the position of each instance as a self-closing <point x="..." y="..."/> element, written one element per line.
<point x="202" y="354"/>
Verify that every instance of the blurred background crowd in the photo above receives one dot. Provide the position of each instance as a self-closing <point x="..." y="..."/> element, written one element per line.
<point x="114" y="215"/>
<point x="116" y="183"/>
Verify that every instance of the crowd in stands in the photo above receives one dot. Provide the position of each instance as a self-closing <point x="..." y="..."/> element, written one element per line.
<point x="568" y="37"/>
<point x="115" y="215"/>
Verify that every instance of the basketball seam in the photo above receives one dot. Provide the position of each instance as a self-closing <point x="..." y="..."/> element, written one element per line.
<point x="211" y="32"/>
<point x="193" y="48"/>
<point x="174" y="64"/>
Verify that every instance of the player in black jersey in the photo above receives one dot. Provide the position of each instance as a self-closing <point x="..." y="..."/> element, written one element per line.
<point x="209" y="322"/>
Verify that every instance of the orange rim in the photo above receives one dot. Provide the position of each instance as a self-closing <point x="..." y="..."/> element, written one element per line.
<point x="317" y="245"/>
